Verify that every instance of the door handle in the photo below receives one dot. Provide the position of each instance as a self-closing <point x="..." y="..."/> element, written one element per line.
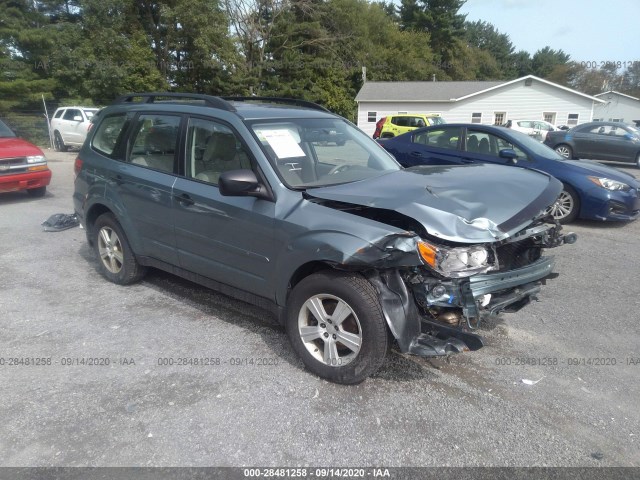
<point x="185" y="200"/>
<point x="118" y="179"/>
<point x="467" y="160"/>
<point x="416" y="154"/>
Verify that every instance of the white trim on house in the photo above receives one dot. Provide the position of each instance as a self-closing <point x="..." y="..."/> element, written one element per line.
<point x="616" y="93"/>
<point x="533" y="77"/>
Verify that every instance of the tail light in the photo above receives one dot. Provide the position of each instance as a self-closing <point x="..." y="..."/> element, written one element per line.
<point x="77" y="166"/>
<point x="379" y="125"/>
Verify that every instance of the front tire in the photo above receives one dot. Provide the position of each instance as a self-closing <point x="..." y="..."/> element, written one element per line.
<point x="116" y="260"/>
<point x="567" y="206"/>
<point x="565" y="151"/>
<point x="335" y="323"/>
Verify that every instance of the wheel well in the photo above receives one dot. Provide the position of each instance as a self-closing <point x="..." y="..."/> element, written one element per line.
<point x="305" y="270"/>
<point x="93" y="213"/>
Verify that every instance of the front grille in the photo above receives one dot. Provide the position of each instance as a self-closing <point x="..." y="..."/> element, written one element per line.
<point x="10" y="166"/>
<point x="517" y="255"/>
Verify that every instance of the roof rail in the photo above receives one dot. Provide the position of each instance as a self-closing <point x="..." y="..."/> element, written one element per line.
<point x="285" y="101"/>
<point x="152" y="97"/>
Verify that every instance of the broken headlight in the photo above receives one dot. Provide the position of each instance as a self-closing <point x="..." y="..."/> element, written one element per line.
<point x="609" y="184"/>
<point x="455" y="262"/>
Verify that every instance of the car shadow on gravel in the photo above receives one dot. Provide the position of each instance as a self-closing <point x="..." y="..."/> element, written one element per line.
<point x="397" y="367"/>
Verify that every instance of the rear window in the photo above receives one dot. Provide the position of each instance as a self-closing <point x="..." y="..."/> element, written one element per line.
<point x="108" y="132"/>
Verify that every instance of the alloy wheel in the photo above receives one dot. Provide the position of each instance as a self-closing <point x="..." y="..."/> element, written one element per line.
<point x="330" y="330"/>
<point x="110" y="250"/>
<point x="564" y="151"/>
<point x="563" y="206"/>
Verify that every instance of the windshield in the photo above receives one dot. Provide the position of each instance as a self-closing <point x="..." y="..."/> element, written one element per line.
<point x="5" y="132"/>
<point x="535" y="146"/>
<point x="316" y="152"/>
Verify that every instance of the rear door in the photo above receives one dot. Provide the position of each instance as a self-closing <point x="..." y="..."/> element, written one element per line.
<point x="433" y="146"/>
<point x="144" y="182"/>
<point x="228" y="239"/>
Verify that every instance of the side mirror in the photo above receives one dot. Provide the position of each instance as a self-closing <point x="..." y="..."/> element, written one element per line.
<point x="77" y="118"/>
<point x="509" y="154"/>
<point x="242" y="183"/>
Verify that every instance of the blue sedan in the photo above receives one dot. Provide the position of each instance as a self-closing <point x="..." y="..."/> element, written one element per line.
<point x="591" y="190"/>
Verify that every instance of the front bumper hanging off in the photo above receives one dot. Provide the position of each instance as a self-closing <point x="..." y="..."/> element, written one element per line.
<point x="418" y="335"/>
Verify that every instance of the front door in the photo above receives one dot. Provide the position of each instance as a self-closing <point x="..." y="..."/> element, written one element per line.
<point x="228" y="239"/>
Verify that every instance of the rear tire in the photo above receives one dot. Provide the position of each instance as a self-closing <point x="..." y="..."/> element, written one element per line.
<point x="567" y="206"/>
<point x="37" y="192"/>
<point x="58" y="143"/>
<point x="116" y="261"/>
<point x="335" y="323"/>
<point x="565" y="151"/>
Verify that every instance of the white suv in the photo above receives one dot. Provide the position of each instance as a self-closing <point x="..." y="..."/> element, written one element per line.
<point x="70" y="126"/>
<point x="534" y="128"/>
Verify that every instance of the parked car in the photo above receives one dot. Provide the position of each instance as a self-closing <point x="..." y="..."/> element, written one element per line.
<point x="394" y="125"/>
<point x="349" y="250"/>
<point x="590" y="190"/>
<point x="70" y="125"/>
<point x="598" y="140"/>
<point x="537" y="129"/>
<point x="23" y="166"/>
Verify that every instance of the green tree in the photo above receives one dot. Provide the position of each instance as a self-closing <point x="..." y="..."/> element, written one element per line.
<point x="545" y="59"/>
<point x="485" y="37"/>
<point x="441" y="20"/>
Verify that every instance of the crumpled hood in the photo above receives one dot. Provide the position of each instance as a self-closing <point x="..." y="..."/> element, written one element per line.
<point x="461" y="203"/>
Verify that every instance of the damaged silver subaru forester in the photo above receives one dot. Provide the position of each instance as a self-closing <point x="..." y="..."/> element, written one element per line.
<point x="287" y="206"/>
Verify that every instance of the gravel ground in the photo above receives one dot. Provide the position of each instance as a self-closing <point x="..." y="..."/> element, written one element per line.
<point x="256" y="405"/>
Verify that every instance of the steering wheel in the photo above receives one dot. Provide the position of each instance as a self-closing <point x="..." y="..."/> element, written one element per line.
<point x="339" y="169"/>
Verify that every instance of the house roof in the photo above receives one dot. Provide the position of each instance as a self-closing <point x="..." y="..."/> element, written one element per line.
<point x="616" y="93"/>
<point x="445" y="91"/>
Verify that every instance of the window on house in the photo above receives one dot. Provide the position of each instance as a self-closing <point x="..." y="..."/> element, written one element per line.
<point x="498" y="118"/>
<point x="617" y="120"/>
<point x="476" y="118"/>
<point x="572" y="119"/>
<point x="549" y="117"/>
<point x="371" y="117"/>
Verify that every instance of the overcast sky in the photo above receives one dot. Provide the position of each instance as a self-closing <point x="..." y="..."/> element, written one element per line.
<point x="588" y="30"/>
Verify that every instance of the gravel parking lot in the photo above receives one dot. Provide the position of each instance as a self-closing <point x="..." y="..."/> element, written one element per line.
<point x="150" y="401"/>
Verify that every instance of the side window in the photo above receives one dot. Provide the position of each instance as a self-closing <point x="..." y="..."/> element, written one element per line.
<point x="212" y="149"/>
<point x="107" y="134"/>
<point x="488" y="144"/>
<point x="440" y="138"/>
<point x="154" y="142"/>
<point x="70" y="113"/>
<point x="58" y="114"/>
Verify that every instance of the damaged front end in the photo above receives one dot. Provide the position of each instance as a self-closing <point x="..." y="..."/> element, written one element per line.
<point x="433" y="309"/>
<point x="463" y="249"/>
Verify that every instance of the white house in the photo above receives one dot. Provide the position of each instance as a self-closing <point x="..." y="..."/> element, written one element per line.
<point x="618" y="107"/>
<point x="526" y="98"/>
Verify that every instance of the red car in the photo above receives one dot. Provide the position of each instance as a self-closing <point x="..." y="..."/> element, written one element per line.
<point x="22" y="165"/>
